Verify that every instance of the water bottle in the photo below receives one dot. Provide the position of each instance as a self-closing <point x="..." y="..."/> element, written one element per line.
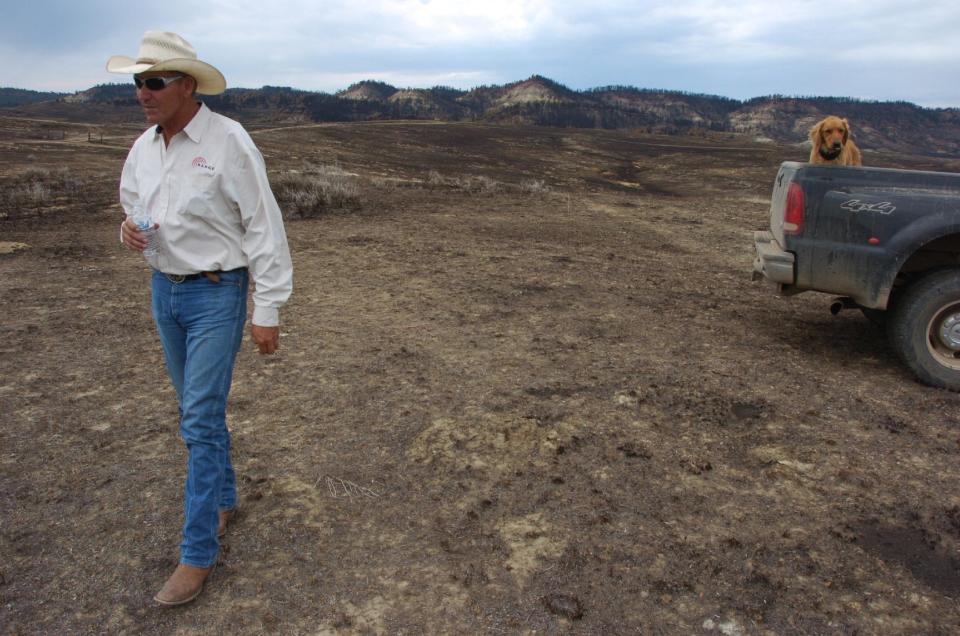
<point x="141" y="217"/>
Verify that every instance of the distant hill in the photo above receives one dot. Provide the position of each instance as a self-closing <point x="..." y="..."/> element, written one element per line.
<point x="889" y="126"/>
<point x="368" y="90"/>
<point x="19" y="96"/>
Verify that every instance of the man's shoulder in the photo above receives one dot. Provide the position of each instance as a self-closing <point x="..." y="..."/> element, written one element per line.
<point x="227" y="129"/>
<point x="225" y="123"/>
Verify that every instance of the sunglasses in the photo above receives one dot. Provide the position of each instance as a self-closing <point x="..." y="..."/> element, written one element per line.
<point x="155" y="83"/>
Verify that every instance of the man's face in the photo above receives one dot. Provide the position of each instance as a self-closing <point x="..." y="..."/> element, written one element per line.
<point x="164" y="104"/>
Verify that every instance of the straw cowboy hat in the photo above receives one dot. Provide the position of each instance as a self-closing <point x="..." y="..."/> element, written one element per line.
<point x="165" y="51"/>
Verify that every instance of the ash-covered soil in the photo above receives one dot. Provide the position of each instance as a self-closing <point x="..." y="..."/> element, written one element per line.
<point x="499" y="407"/>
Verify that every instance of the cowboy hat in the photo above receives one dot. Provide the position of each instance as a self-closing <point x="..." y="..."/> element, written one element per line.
<point x="165" y="51"/>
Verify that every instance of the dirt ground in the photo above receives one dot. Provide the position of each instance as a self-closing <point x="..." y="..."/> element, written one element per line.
<point x="498" y="410"/>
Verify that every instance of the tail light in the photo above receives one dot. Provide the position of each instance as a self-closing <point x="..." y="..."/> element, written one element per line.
<point x="796" y="207"/>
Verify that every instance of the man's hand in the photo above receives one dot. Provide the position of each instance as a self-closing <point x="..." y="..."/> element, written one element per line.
<point x="131" y="235"/>
<point x="266" y="338"/>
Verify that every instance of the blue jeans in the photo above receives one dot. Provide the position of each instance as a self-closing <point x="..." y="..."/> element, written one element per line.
<point x="201" y="327"/>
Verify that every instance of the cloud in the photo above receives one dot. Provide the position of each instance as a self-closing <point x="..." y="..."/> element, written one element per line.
<point x="741" y="49"/>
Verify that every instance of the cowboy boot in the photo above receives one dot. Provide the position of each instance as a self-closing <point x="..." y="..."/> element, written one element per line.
<point x="184" y="585"/>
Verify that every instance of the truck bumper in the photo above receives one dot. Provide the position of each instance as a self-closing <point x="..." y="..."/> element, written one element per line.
<point x="771" y="261"/>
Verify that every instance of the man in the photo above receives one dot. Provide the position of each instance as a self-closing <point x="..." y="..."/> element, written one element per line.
<point x="204" y="182"/>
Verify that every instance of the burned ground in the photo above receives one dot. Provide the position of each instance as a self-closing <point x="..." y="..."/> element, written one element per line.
<point x="497" y="408"/>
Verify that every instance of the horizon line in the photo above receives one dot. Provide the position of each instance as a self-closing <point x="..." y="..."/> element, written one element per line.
<point x="607" y="87"/>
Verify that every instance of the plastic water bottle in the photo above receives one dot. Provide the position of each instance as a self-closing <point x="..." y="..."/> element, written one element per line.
<point x="141" y="217"/>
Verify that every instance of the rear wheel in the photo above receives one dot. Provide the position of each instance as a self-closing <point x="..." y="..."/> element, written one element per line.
<point x="924" y="328"/>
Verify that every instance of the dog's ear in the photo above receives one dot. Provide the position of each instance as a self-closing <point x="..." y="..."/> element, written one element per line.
<point x="846" y="130"/>
<point x="816" y="134"/>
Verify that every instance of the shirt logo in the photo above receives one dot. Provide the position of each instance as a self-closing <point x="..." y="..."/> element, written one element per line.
<point x="200" y="162"/>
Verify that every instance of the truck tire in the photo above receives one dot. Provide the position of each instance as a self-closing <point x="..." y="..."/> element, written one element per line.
<point x="924" y="328"/>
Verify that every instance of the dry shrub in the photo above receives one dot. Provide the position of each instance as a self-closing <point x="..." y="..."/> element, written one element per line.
<point x="315" y="190"/>
<point x="30" y="192"/>
<point x="436" y="180"/>
<point x="60" y="181"/>
<point x="393" y="182"/>
<point x="480" y="184"/>
<point x="476" y="184"/>
<point x="535" y="186"/>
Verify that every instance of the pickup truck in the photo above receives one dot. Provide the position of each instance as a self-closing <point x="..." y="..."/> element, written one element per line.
<point x="884" y="241"/>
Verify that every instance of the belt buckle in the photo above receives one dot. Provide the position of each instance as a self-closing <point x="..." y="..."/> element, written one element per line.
<point x="175" y="278"/>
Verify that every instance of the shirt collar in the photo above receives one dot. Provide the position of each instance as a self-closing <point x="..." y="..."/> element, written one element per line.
<point x="198" y="125"/>
<point x="195" y="127"/>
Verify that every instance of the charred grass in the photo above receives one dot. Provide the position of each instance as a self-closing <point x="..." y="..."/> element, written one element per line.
<point x="498" y="408"/>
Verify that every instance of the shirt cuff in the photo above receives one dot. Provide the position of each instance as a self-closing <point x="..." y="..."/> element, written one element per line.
<point x="266" y="317"/>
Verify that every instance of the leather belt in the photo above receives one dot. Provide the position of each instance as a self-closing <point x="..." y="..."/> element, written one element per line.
<point x="179" y="278"/>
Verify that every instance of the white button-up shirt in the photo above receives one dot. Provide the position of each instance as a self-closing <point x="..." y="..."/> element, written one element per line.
<point x="208" y="191"/>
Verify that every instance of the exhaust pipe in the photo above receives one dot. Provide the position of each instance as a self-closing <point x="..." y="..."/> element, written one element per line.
<point x="841" y="303"/>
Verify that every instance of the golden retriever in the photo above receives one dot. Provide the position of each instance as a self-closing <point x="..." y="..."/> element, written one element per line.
<point x="832" y="143"/>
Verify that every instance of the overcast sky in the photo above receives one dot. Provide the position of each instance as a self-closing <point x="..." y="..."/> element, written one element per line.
<point x="870" y="49"/>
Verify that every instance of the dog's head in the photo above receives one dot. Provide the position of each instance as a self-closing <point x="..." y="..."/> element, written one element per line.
<point x="829" y="135"/>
